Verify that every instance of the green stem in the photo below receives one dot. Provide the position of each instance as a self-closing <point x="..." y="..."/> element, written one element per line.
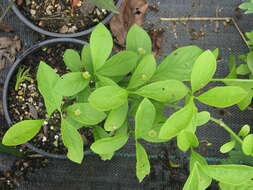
<point x="227" y="128"/>
<point x="232" y="80"/>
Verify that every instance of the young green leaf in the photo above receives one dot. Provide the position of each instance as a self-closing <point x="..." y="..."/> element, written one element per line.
<point x="164" y="91"/>
<point x="203" y="70"/>
<point x="104" y="81"/>
<point x="73" y="141"/>
<point x="178" y="65"/>
<point x="22" y="132"/>
<point x="229" y="173"/>
<point x="70" y="84"/>
<point x="72" y="60"/>
<point x="186" y="139"/>
<point x="109" y="144"/>
<point x="250" y="61"/>
<point x="216" y="53"/>
<point x="177" y="121"/>
<point x="100" y="41"/>
<point x="105" y="4"/>
<point x="87" y="59"/>
<point x="138" y="40"/>
<point x="142" y="162"/>
<point x="243" y="69"/>
<point x="223" y="97"/>
<point x="144" y="118"/>
<point x="247" y="145"/>
<point x="143" y="72"/>
<point x="242" y="105"/>
<point x="85" y="114"/>
<point x="246" y="186"/>
<point x="245" y="130"/>
<point x="108" y="98"/>
<point x="227" y="147"/>
<point x="197" y="158"/>
<point x="197" y="180"/>
<point x="74" y="123"/>
<point x="232" y="68"/>
<point x="116" y="118"/>
<point x="47" y="79"/>
<point x="119" y="65"/>
<point x="202" y="118"/>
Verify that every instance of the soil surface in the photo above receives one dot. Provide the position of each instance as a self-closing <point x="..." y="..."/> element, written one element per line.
<point x="27" y="103"/>
<point x="60" y="17"/>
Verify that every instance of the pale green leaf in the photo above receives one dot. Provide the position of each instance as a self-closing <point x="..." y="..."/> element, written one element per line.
<point x="250" y="61"/>
<point x="72" y="60"/>
<point x="245" y="130"/>
<point x="142" y="162"/>
<point x="202" y="118"/>
<point x="247" y="145"/>
<point x="227" y="147"/>
<point x="243" y="69"/>
<point x="87" y="59"/>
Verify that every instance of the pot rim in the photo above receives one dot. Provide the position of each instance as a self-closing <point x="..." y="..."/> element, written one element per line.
<point x="9" y="76"/>
<point x="59" y="35"/>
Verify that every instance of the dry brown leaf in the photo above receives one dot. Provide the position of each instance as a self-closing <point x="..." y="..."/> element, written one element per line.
<point x="131" y="12"/>
<point x="157" y="40"/>
<point x="8" y="50"/>
<point x="74" y="3"/>
<point x="5" y="28"/>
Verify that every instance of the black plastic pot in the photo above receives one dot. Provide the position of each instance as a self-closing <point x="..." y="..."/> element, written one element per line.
<point x="17" y="63"/>
<point x="58" y="35"/>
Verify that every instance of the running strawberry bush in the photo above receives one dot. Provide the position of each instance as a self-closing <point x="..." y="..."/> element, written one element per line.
<point x="109" y="90"/>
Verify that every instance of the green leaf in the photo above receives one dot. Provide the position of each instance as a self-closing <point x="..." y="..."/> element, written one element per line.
<point x="104" y="81"/>
<point x="197" y="180"/>
<point x="246" y="101"/>
<point x="105" y="4"/>
<point x="232" y="68"/>
<point x="118" y="65"/>
<point x="82" y="97"/>
<point x="87" y="59"/>
<point x="142" y="162"/>
<point x="197" y="158"/>
<point x="177" y="121"/>
<point x="74" y="123"/>
<point x="223" y="97"/>
<point x="22" y="132"/>
<point x="100" y="133"/>
<point x="70" y="84"/>
<point x="72" y="60"/>
<point x="164" y="91"/>
<point x="243" y="83"/>
<point x="247" y="145"/>
<point x="203" y="70"/>
<point x="85" y="114"/>
<point x="246" y="186"/>
<point x="47" y="79"/>
<point x="229" y="173"/>
<point x="216" y="53"/>
<point x="10" y="150"/>
<point x="138" y="40"/>
<point x="243" y="69"/>
<point x="178" y="65"/>
<point x="245" y="130"/>
<point x="227" y="147"/>
<point x="152" y="135"/>
<point x="202" y="118"/>
<point x="186" y="139"/>
<point x="250" y="61"/>
<point x="108" y="98"/>
<point x="109" y="144"/>
<point x="73" y="141"/>
<point x="144" y="118"/>
<point x="100" y="46"/>
<point x="143" y="72"/>
<point x="116" y="118"/>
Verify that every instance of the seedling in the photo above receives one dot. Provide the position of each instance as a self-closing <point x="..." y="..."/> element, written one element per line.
<point x="129" y="84"/>
<point x="22" y="76"/>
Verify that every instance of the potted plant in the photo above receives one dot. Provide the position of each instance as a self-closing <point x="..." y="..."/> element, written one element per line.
<point x="99" y="94"/>
<point x="64" y="18"/>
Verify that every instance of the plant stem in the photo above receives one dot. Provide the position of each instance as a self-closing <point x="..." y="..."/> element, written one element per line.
<point x="227" y="128"/>
<point x="232" y="80"/>
<point x="6" y="10"/>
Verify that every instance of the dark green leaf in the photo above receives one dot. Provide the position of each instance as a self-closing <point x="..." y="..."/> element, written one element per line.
<point x="85" y="114"/>
<point x="10" y="150"/>
<point x="47" y="79"/>
<point x="73" y="141"/>
<point x="22" y="132"/>
<point x="142" y="164"/>
<point x="223" y="97"/>
<point x="72" y="60"/>
<point x="178" y="65"/>
<point x="82" y="97"/>
<point x="70" y="84"/>
<point x="108" y="98"/>
<point x="203" y="70"/>
<point x="164" y="91"/>
<point x="143" y="72"/>
<point x="100" y="46"/>
<point x="118" y="65"/>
